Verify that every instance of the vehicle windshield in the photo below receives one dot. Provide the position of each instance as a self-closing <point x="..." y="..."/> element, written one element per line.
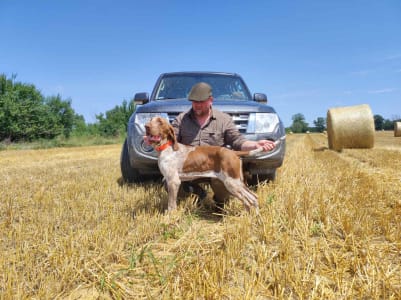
<point x="224" y="87"/>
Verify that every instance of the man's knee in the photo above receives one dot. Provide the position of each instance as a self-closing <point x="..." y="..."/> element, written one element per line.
<point x="191" y="187"/>
<point x="221" y="195"/>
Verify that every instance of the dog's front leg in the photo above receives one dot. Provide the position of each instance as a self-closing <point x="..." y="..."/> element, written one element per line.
<point x="172" y="187"/>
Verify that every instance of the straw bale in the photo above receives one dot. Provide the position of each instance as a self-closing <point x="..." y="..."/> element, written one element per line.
<point x="350" y="127"/>
<point x="397" y="128"/>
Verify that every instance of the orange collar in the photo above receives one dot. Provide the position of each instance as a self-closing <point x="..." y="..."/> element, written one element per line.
<point x="164" y="146"/>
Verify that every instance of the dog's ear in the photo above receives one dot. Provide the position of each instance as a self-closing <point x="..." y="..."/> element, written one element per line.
<point x="171" y="136"/>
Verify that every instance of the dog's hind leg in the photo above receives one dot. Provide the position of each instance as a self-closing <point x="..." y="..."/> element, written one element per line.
<point x="250" y="197"/>
<point x="239" y="190"/>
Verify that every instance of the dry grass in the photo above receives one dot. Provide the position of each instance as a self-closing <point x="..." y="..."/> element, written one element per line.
<point x="329" y="229"/>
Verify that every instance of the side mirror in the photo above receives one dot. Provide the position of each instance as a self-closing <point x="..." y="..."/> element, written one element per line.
<point x="141" y="98"/>
<point x="259" y="97"/>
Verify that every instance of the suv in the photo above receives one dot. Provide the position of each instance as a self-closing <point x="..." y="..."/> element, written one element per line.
<point x="253" y="118"/>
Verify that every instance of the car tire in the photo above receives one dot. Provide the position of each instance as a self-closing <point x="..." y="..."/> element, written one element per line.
<point x="129" y="174"/>
<point x="260" y="178"/>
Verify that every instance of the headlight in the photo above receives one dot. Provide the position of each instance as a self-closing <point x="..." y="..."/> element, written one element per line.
<point x="262" y="122"/>
<point x="142" y="118"/>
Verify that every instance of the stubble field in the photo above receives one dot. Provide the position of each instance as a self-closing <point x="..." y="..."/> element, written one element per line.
<point x="330" y="228"/>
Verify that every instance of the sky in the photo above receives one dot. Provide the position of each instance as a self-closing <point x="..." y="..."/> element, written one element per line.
<point x="306" y="56"/>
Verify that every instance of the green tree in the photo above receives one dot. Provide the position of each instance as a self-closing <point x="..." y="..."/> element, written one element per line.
<point x="26" y="115"/>
<point x="62" y="114"/>
<point x="114" y="122"/>
<point x="388" y="124"/>
<point x="320" y="124"/>
<point x="79" y="127"/>
<point x="6" y="86"/>
<point x="379" y="122"/>
<point x="22" y="110"/>
<point x="298" y="123"/>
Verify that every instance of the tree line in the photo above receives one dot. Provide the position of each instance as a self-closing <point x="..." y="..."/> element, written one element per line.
<point x="299" y="125"/>
<point x="27" y="115"/>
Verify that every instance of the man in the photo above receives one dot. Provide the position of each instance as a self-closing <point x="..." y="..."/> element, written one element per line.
<point x="203" y="125"/>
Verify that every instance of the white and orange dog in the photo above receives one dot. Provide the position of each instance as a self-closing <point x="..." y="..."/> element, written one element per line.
<point x="178" y="162"/>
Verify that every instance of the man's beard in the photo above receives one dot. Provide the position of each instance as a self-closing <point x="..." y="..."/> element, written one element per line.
<point x="202" y="113"/>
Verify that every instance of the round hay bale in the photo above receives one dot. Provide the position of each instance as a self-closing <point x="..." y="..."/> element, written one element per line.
<point x="350" y="127"/>
<point x="397" y="128"/>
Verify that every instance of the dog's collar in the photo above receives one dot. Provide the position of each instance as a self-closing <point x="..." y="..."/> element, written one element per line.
<point x="164" y="146"/>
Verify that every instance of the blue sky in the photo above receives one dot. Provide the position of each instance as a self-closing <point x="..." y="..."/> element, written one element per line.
<point x="306" y="56"/>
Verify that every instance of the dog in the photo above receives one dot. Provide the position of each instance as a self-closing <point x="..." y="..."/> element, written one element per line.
<point x="178" y="162"/>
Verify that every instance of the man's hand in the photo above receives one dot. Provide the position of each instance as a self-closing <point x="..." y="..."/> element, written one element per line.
<point x="266" y="145"/>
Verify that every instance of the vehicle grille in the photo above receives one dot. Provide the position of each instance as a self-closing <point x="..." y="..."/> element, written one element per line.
<point x="240" y="120"/>
<point x="172" y="116"/>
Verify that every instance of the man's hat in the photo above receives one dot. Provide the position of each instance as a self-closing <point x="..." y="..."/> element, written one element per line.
<point x="200" y="92"/>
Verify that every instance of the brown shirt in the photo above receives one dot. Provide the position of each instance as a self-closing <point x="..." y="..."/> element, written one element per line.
<point x="219" y="130"/>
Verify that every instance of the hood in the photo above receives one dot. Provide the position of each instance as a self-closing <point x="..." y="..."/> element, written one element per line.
<point x="180" y="105"/>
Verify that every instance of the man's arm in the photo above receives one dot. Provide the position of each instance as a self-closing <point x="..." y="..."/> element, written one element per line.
<point x="176" y="123"/>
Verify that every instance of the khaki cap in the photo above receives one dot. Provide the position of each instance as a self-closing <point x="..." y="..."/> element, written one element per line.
<point x="200" y="92"/>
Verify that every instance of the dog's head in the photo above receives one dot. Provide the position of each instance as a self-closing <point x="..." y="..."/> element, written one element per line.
<point x="159" y="132"/>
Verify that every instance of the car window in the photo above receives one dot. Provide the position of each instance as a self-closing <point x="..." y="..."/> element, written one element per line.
<point x="223" y="87"/>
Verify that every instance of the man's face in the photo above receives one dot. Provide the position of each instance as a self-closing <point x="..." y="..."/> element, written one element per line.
<point x="202" y="108"/>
